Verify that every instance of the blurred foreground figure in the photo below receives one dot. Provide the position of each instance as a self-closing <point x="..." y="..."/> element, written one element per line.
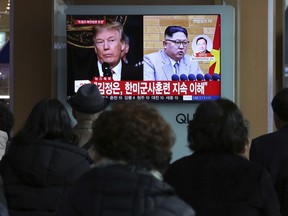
<point x="216" y="180"/>
<point x="42" y="161"/>
<point x="133" y="145"/>
<point x="271" y="150"/>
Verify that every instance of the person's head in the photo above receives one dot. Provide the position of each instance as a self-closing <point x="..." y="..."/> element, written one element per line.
<point x="133" y="133"/>
<point x="87" y="103"/>
<point x="108" y="42"/>
<point x="126" y="42"/>
<point x="6" y="119"/>
<point x="218" y="126"/>
<point x="175" y="42"/>
<point x="48" y="119"/>
<point x="280" y="108"/>
<point x="201" y="43"/>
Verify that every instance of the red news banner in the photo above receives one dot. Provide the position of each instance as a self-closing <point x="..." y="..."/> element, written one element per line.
<point x="108" y="87"/>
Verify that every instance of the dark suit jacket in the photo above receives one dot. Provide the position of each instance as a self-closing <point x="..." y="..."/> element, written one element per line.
<point x="128" y="72"/>
<point x="223" y="184"/>
<point x="270" y="150"/>
<point x="82" y="65"/>
<point x="281" y="186"/>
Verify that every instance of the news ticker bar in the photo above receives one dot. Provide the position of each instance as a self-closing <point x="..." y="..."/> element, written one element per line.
<point x="188" y="90"/>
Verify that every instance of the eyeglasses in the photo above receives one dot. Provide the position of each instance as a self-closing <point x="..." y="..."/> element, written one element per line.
<point x="178" y="42"/>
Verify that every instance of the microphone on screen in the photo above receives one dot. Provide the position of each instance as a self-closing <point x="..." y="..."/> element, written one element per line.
<point x="216" y="77"/>
<point x="183" y="77"/>
<point x="175" y="77"/>
<point x="106" y="70"/>
<point x="191" y="77"/>
<point x="199" y="77"/>
<point x="207" y="77"/>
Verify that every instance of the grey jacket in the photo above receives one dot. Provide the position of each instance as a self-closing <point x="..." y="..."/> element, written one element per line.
<point x="157" y="66"/>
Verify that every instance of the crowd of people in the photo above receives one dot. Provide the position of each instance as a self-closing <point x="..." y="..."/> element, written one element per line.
<point x="116" y="160"/>
<point x="45" y="169"/>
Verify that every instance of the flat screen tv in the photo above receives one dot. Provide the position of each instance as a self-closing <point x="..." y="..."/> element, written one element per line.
<point x="144" y="27"/>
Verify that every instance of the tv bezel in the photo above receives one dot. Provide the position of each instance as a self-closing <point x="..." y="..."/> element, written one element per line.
<point x="176" y="114"/>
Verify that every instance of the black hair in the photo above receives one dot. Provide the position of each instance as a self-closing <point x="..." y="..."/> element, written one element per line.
<point x="218" y="126"/>
<point x="48" y="119"/>
<point x="170" y="30"/>
<point x="280" y="104"/>
<point x="201" y="38"/>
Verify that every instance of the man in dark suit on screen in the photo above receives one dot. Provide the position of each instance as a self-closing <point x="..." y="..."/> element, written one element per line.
<point x="109" y="44"/>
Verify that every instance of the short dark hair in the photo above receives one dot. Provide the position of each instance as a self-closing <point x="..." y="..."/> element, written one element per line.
<point x="201" y="38"/>
<point x="170" y="30"/>
<point x="135" y="133"/>
<point x="280" y="104"/>
<point x="218" y="126"/>
<point x="6" y="118"/>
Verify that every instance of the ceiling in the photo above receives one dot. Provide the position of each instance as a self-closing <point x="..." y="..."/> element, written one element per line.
<point x="4" y="16"/>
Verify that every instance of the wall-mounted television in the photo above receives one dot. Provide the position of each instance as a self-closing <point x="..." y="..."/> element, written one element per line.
<point x="145" y="26"/>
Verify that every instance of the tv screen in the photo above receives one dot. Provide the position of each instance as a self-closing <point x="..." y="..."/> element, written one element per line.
<point x="145" y="61"/>
<point x="75" y="58"/>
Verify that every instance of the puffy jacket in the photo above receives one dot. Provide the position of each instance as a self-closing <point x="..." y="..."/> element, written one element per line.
<point x="118" y="190"/>
<point x="36" y="176"/>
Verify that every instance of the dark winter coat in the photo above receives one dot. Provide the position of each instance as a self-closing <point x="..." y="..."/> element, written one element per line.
<point x="223" y="184"/>
<point x="122" y="190"/>
<point x="270" y="150"/>
<point x="36" y="176"/>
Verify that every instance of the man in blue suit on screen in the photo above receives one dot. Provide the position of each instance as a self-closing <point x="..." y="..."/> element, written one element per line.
<point x="171" y="62"/>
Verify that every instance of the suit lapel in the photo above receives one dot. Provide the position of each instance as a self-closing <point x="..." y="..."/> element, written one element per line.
<point x="166" y="67"/>
<point x="184" y="68"/>
<point x="168" y="71"/>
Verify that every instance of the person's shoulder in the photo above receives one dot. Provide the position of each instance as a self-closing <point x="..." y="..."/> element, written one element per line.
<point x="106" y="174"/>
<point x="132" y="72"/>
<point x="173" y="206"/>
<point x="153" y="54"/>
<point x="61" y="147"/>
<point x="187" y="58"/>
<point x="183" y="159"/>
<point x="245" y="166"/>
<point x="222" y="159"/>
<point x="268" y="138"/>
<point x="180" y="164"/>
